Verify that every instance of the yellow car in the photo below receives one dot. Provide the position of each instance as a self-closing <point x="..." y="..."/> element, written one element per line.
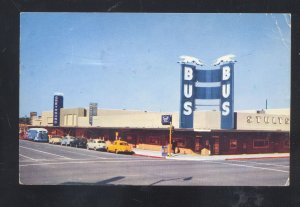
<point x="119" y="146"/>
<point x="55" y="139"/>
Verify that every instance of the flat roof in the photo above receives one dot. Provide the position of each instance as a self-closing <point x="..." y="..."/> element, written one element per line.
<point x="162" y="129"/>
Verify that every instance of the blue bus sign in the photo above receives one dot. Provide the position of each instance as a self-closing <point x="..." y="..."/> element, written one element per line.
<point x="166" y="119"/>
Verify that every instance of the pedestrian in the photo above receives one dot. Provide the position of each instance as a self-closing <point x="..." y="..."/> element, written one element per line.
<point x="174" y="145"/>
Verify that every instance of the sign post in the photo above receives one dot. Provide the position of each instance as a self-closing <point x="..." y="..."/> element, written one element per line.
<point x="170" y="140"/>
<point x="167" y="120"/>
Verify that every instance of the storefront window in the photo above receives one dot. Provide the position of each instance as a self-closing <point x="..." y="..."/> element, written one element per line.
<point x="233" y="144"/>
<point x="260" y="143"/>
<point x="153" y="140"/>
<point x="180" y="142"/>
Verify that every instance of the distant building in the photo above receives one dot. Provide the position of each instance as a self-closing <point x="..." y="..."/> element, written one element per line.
<point x="70" y="116"/>
<point x="32" y="116"/>
<point x="37" y="121"/>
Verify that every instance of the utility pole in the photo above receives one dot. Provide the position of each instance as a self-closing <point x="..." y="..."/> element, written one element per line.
<point x="170" y="140"/>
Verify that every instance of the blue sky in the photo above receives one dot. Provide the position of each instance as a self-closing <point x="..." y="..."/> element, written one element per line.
<point x="129" y="60"/>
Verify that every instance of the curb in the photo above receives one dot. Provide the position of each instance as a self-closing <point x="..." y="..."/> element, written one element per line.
<point x="141" y="155"/>
<point x="256" y="158"/>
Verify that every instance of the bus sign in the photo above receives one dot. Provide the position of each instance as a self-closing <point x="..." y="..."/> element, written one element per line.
<point x="166" y="119"/>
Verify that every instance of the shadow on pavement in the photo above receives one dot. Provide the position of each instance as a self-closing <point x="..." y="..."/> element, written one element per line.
<point x="181" y="178"/>
<point x="103" y="182"/>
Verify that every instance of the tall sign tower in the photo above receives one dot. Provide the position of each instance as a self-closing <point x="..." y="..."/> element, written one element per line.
<point x="221" y="87"/>
<point x="92" y="112"/>
<point x="57" y="105"/>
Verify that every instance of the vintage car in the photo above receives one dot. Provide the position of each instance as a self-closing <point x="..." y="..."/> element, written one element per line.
<point x="66" y="140"/>
<point x="55" y="139"/>
<point x="120" y="146"/>
<point x="79" y="142"/>
<point x="96" y="144"/>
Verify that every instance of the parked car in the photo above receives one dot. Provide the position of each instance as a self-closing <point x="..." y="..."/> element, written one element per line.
<point x="119" y="146"/>
<point x="55" y="139"/>
<point x="79" y="142"/>
<point x="96" y="144"/>
<point x="66" y="140"/>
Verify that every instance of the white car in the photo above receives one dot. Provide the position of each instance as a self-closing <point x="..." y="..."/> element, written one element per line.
<point x="96" y="144"/>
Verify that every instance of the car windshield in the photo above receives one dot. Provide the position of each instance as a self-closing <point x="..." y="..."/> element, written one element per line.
<point x="44" y="135"/>
<point x="32" y="133"/>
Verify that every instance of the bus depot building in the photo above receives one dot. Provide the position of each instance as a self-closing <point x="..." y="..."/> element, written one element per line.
<point x="263" y="131"/>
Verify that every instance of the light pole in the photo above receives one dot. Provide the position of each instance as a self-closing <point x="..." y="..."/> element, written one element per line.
<point x="170" y="140"/>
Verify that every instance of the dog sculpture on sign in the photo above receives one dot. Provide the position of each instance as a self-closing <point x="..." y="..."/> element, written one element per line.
<point x="190" y="59"/>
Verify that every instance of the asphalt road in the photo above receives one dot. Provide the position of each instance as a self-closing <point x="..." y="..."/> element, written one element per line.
<point x="47" y="164"/>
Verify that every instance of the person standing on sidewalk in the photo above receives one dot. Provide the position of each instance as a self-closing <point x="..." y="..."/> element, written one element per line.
<point x="174" y="145"/>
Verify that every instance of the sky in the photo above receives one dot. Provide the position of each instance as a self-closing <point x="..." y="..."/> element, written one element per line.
<point x="129" y="60"/>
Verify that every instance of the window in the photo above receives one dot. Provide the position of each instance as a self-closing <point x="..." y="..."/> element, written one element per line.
<point x="32" y="134"/>
<point x="180" y="142"/>
<point x="232" y="144"/>
<point x="154" y="140"/>
<point x="123" y="143"/>
<point x="44" y="135"/>
<point x="260" y="143"/>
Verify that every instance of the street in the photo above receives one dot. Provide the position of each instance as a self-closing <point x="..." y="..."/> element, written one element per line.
<point x="47" y="164"/>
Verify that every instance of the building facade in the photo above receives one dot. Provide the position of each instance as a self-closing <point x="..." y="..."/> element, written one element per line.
<point x="264" y="131"/>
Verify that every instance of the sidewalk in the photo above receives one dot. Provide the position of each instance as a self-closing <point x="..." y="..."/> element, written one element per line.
<point x="195" y="157"/>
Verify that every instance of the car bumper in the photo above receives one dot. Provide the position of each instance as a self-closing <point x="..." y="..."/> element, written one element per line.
<point x="101" y="148"/>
